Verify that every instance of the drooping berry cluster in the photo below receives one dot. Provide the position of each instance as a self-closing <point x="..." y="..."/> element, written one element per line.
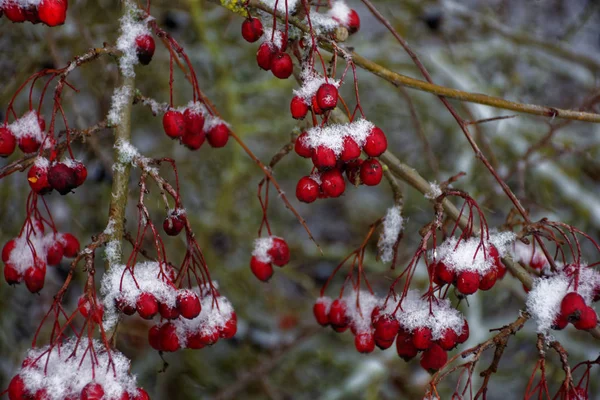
<point x="268" y="251"/>
<point x="75" y="369"/>
<point x="49" y="12"/>
<point x="45" y="176"/>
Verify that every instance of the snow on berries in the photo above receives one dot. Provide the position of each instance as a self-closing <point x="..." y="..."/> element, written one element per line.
<point x="135" y="42"/>
<point x="175" y="222"/>
<point x="8" y="142"/>
<point x="268" y="251"/>
<point x="28" y="131"/>
<point x="67" y="370"/>
<point x="49" y="12"/>
<point x="145" y="47"/>
<point x="45" y="176"/>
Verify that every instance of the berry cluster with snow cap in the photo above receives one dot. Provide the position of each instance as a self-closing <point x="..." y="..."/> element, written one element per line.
<point x="27" y="132"/>
<point x="49" y="12"/>
<point x="473" y="263"/>
<point x="556" y="301"/>
<point x="268" y="251"/>
<point x="68" y="371"/>
<point x="45" y="176"/>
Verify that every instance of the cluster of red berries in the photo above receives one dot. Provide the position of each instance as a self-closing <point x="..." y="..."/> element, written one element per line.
<point x="26" y="257"/>
<point x="329" y="181"/>
<point x="26" y="132"/>
<point x="323" y="100"/>
<point x="194" y="125"/>
<point x="145" y="47"/>
<point x="49" y="12"/>
<point x="574" y="310"/>
<point x="268" y="251"/>
<point x="45" y="176"/>
<point x="147" y="306"/>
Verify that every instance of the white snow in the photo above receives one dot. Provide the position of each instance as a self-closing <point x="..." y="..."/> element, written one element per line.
<point x="131" y="28"/>
<point x="22" y="256"/>
<point x="529" y="255"/>
<point x="27" y="126"/>
<point x="311" y="82"/>
<point x="21" y="3"/>
<point x="261" y="248"/>
<point x="127" y="152"/>
<point x="340" y="12"/>
<point x="392" y="226"/>
<point x="64" y="370"/>
<point x="332" y="136"/>
<point x="360" y="317"/>
<point x="434" y="191"/>
<point x="281" y="5"/>
<point x="276" y="42"/>
<point x="120" y="98"/>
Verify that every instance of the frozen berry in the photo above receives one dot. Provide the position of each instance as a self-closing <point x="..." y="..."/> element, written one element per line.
<point x="467" y="282"/>
<point x="443" y="273"/>
<point x="327" y="96"/>
<point x="298" y="108"/>
<point x="320" y="312"/>
<point x="371" y="172"/>
<point x="464" y="333"/>
<point x="16" y="389"/>
<point x="173" y="124"/>
<point x="353" y="23"/>
<point x="282" y="66"/>
<point x="350" y="151"/>
<point x="572" y="306"/>
<point x="262" y="270"/>
<point x="301" y="146"/>
<point x="124" y="306"/>
<point x="488" y="280"/>
<point x="168" y="312"/>
<point x="80" y="172"/>
<point x="14" y="12"/>
<point x="194" y="134"/>
<point x="168" y="338"/>
<point x="173" y="224"/>
<point x="279" y="252"/>
<point x="421" y="338"/>
<point x="353" y="171"/>
<point x="141" y="395"/>
<point x="265" y="55"/>
<point x="252" y="29"/>
<point x="144" y="48"/>
<point x="587" y="320"/>
<point x="314" y="105"/>
<point x="71" y="245"/>
<point x="332" y="183"/>
<point x="448" y="339"/>
<point x="218" y="135"/>
<point x="376" y="143"/>
<point x="560" y="322"/>
<point x="188" y="304"/>
<point x="338" y="314"/>
<point x="92" y="391"/>
<point x="194" y="341"/>
<point x="62" y="178"/>
<point x="364" y="342"/>
<point x="433" y="358"/>
<point x="37" y="177"/>
<point x="34" y="277"/>
<point x="405" y="347"/>
<point x="229" y="330"/>
<point x="11" y="275"/>
<point x="386" y="327"/>
<point x="52" y="12"/>
<point x="7" y="250"/>
<point x="323" y="157"/>
<point x="55" y="253"/>
<point x="146" y="305"/>
<point x="7" y="142"/>
<point x="307" y="190"/>
<point x="154" y="338"/>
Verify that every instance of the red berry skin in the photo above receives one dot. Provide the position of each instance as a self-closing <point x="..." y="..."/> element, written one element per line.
<point x="11" y="275"/>
<point x="195" y="341"/>
<point x="7" y="249"/>
<point x="141" y="395"/>
<point x="16" y="389"/>
<point x="124" y="307"/>
<point x="230" y="328"/>
<point x="262" y="270"/>
<point x="489" y="279"/>
<point x="353" y="171"/>
<point x="71" y="245"/>
<point x="14" y="13"/>
<point x="421" y="338"/>
<point x="252" y="29"/>
<point x="307" y="190"/>
<point x="92" y="391"/>
<point x="282" y="66"/>
<point x="173" y="124"/>
<point x="314" y="105"/>
<point x="338" y="316"/>
<point x="168" y="312"/>
<point x="218" y="135"/>
<point x="146" y="305"/>
<point x="298" y="108"/>
<point x="572" y="306"/>
<point x="371" y="172"/>
<point x="209" y="338"/>
<point x="351" y="150"/>
<point x="41" y="394"/>
<point x="587" y="320"/>
<point x="168" y="338"/>
<point x="154" y="338"/>
<point x="53" y="12"/>
<point x="443" y="273"/>
<point x="467" y="282"/>
<point x="34" y="277"/>
<point x="173" y="224"/>
<point x="301" y="146"/>
<point x="560" y="322"/>
<point x="80" y="173"/>
<point x="353" y="22"/>
<point x="434" y="358"/>
<point x="279" y="252"/>
<point x="324" y="158"/>
<point x="376" y="143"/>
<point x="265" y="55"/>
<point x="144" y="48"/>
<point x="125" y="396"/>
<point x="327" y="96"/>
<point x="332" y="183"/>
<point x="28" y="144"/>
<point x="320" y="313"/>
<point x="62" y="178"/>
<point x="464" y="334"/>
<point x="364" y="342"/>
<point x="386" y="327"/>
<point x="8" y="142"/>
<point x="405" y="347"/>
<point x="37" y="177"/>
<point x="188" y="304"/>
<point x="448" y="340"/>
<point x="194" y="135"/>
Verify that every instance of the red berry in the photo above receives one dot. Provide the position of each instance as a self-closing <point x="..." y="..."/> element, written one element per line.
<point x="279" y="252"/>
<point x="195" y="341"/>
<point x="301" y="146"/>
<point x="282" y="66"/>
<point x="218" y="135"/>
<point x="52" y="12"/>
<point x="364" y="342"/>
<point x="173" y="224"/>
<point x="144" y="48"/>
<point x="41" y="394"/>
<point x="572" y="306"/>
<point x="587" y="320"/>
<point x="332" y="183"/>
<point x="188" y="304"/>
<point x="353" y="24"/>
<point x="92" y="391"/>
<point x="443" y="273"/>
<point x="448" y="339"/>
<point x="209" y="337"/>
<point x="16" y="389"/>
<point x="230" y="328"/>
<point x="34" y="277"/>
<point x="14" y="12"/>
<point x="351" y="150"/>
<point x="433" y="358"/>
<point x="7" y="250"/>
<point x="125" y="396"/>
<point x="123" y="306"/>
<point x="404" y="346"/>
<point x="314" y="105"/>
<point x="421" y="338"/>
<point x="320" y="312"/>
<point x="353" y="171"/>
<point x="324" y="157"/>
<point x="83" y="305"/>
<point x="298" y="108"/>
<point x="194" y="134"/>
<point x="173" y="124"/>
<point x="489" y="279"/>
<point x="560" y="322"/>
<point x="168" y="338"/>
<point x="467" y="282"/>
<point x="464" y="333"/>
<point x="37" y="176"/>
<point x="386" y="327"/>
<point x="327" y="96"/>
<point x="252" y="29"/>
<point x="154" y="337"/>
<point x="168" y="312"/>
<point x="146" y="305"/>
<point x="11" y="275"/>
<point x="86" y="309"/>
<point x="80" y="172"/>
<point x="371" y="172"/>
<point x="262" y="270"/>
<point x="265" y="55"/>
<point x="376" y="143"/>
<point x="71" y="245"/>
<point x="307" y="190"/>
<point x="141" y="395"/>
<point x="338" y="316"/>
<point x="7" y="142"/>
<point x="62" y="178"/>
